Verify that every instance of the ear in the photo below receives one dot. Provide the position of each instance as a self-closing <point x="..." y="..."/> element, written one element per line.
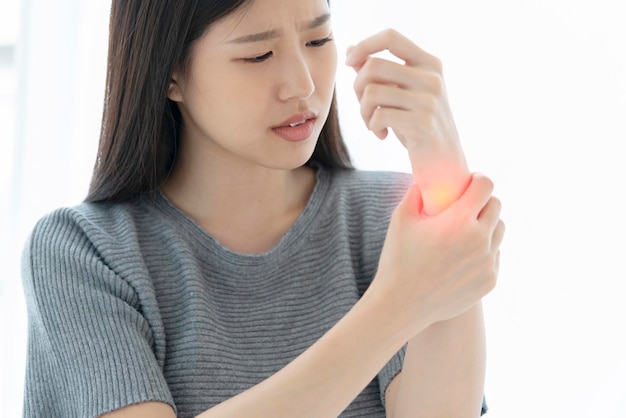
<point x="175" y="89"/>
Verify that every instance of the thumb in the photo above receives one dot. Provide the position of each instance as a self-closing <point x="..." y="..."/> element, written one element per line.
<point x="476" y="194"/>
<point x="412" y="204"/>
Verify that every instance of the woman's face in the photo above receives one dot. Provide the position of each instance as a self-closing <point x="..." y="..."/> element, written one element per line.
<point x="259" y="84"/>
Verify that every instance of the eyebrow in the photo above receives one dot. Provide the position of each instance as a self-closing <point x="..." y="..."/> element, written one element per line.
<point x="271" y="34"/>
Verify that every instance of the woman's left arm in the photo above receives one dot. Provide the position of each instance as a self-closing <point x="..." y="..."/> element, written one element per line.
<point x="443" y="372"/>
<point x="444" y="367"/>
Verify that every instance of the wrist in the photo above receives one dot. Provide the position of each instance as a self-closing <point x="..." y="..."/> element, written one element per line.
<point x="441" y="182"/>
<point x="398" y="323"/>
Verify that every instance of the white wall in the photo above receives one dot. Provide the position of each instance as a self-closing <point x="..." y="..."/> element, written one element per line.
<point x="58" y="85"/>
<point x="538" y="89"/>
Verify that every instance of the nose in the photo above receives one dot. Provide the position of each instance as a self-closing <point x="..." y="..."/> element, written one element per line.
<point x="297" y="81"/>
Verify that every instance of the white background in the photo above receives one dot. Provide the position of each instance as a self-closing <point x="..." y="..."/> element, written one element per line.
<point x="538" y="89"/>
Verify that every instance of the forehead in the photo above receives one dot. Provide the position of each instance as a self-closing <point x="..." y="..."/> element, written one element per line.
<point x="265" y="15"/>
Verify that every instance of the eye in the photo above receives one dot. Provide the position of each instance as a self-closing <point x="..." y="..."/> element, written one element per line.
<point x="260" y="58"/>
<point x="319" y="42"/>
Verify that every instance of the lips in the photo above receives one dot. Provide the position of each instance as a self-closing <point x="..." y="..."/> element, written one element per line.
<point x="298" y="119"/>
<point x="297" y="128"/>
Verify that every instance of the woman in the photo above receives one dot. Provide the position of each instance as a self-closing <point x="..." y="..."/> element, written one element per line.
<point x="229" y="262"/>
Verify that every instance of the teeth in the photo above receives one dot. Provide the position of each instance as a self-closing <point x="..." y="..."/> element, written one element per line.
<point x="293" y="125"/>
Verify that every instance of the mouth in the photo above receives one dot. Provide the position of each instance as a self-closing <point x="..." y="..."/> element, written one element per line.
<point x="297" y="128"/>
<point x="297" y="120"/>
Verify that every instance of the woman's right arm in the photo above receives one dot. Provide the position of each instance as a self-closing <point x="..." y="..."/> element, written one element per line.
<point x="322" y="381"/>
<point x="410" y="292"/>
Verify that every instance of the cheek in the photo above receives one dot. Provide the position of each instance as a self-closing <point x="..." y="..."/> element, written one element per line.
<point x="226" y="97"/>
<point x="326" y="68"/>
<point x="211" y="107"/>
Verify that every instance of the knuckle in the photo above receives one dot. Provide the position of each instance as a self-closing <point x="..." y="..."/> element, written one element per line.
<point x="371" y="91"/>
<point x="373" y="68"/>
<point x="437" y="64"/>
<point x="485" y="182"/>
<point x="429" y="104"/>
<point x="426" y="120"/>
<point x="496" y="203"/>
<point x="367" y="65"/>
<point x="425" y="107"/>
<point x="377" y="120"/>
<point x="357" y="84"/>
<point x="490" y="279"/>
<point x="373" y="64"/>
<point x="391" y="34"/>
<point x="434" y="82"/>
<point x="369" y="98"/>
<point x="499" y="232"/>
<point x="491" y="282"/>
<point x="367" y="112"/>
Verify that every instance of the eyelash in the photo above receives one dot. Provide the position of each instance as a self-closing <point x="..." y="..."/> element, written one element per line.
<point x="258" y="59"/>
<point x="313" y="44"/>
<point x="319" y="42"/>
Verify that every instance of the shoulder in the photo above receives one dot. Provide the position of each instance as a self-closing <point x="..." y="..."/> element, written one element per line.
<point x="88" y="234"/>
<point x="93" y="314"/>
<point x="93" y="221"/>
<point x="88" y="251"/>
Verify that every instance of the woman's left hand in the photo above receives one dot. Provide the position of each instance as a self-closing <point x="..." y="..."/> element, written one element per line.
<point x="409" y="98"/>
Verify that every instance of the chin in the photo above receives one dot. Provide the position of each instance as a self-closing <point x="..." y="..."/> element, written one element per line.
<point x="292" y="162"/>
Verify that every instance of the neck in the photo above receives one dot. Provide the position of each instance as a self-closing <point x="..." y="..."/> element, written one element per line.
<point x="234" y="199"/>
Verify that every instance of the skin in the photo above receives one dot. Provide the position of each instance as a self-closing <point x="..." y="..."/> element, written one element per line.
<point x="440" y="256"/>
<point x="228" y="144"/>
<point x="411" y="100"/>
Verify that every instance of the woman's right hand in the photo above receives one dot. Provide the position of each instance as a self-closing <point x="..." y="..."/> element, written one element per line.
<point x="434" y="268"/>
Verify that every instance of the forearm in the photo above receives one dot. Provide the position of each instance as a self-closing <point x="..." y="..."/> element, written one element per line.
<point x="323" y="380"/>
<point x="444" y="370"/>
<point x="442" y="178"/>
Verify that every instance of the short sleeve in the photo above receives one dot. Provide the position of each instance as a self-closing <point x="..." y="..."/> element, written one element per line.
<point x="90" y="348"/>
<point x="391" y="370"/>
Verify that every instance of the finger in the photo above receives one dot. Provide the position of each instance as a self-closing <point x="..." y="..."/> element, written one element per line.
<point x="416" y="125"/>
<point x="397" y="119"/>
<point x="476" y="195"/>
<point x="381" y="133"/>
<point x="381" y="71"/>
<point x="498" y="235"/>
<point x="490" y="215"/>
<point x="394" y="42"/>
<point x="496" y="266"/>
<point x="378" y="95"/>
<point x="491" y="211"/>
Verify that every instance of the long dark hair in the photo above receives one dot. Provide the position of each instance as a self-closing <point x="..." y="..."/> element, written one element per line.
<point x="148" y="40"/>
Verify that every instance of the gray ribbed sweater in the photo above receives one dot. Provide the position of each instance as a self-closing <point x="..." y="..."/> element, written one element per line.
<point x="134" y="302"/>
